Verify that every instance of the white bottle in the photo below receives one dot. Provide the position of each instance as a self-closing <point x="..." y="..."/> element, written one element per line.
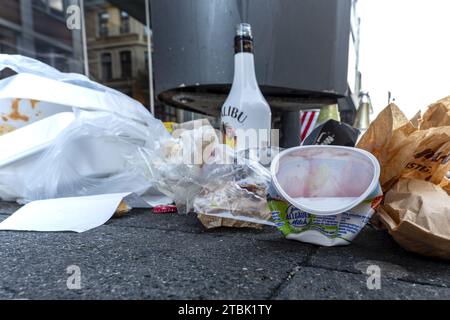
<point x="245" y="112"/>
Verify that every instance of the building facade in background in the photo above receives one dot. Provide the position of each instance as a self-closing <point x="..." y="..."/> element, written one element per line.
<point x="116" y="43"/>
<point x="37" y="28"/>
<point x="117" y="49"/>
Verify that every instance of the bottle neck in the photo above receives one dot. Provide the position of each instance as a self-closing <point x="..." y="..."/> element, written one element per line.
<point x="244" y="64"/>
<point x="243" y="44"/>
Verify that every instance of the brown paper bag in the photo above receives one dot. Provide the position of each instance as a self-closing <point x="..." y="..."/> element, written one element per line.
<point x="417" y="214"/>
<point x="403" y="150"/>
<point x="438" y="115"/>
<point x="445" y="184"/>
<point x="424" y="155"/>
<point x="415" y="158"/>
<point x="386" y="136"/>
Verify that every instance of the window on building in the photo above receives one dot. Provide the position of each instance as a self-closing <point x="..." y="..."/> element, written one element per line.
<point x="103" y="21"/>
<point x="126" y="64"/>
<point x="8" y="41"/>
<point x="106" y="66"/>
<point x="124" y="22"/>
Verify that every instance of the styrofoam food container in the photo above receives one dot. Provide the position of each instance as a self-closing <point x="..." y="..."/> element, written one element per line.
<point x="18" y="113"/>
<point x="32" y="139"/>
<point x="55" y="96"/>
<point x="22" y="147"/>
<point x="92" y="156"/>
<point x="25" y="99"/>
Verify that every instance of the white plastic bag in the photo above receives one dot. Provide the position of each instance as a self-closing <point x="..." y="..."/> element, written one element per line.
<point x="101" y="151"/>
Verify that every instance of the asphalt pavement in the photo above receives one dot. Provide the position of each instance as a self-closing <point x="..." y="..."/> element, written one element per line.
<point x="149" y="256"/>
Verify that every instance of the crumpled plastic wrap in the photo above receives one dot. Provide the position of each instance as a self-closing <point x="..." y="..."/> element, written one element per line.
<point x="243" y="197"/>
<point x="202" y="175"/>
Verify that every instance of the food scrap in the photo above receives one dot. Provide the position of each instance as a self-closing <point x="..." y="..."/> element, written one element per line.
<point x="15" y="114"/>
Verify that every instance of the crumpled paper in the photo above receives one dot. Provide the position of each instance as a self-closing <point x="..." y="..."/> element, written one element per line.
<point x="415" y="158"/>
<point x="417" y="213"/>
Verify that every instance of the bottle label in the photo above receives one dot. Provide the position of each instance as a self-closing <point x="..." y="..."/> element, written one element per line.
<point x="229" y="135"/>
<point x="244" y="138"/>
<point x="235" y="113"/>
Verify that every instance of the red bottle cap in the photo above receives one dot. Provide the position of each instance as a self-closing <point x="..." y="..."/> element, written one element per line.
<point x="165" y="209"/>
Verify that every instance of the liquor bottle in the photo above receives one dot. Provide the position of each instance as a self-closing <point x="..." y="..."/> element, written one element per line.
<point x="245" y="115"/>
